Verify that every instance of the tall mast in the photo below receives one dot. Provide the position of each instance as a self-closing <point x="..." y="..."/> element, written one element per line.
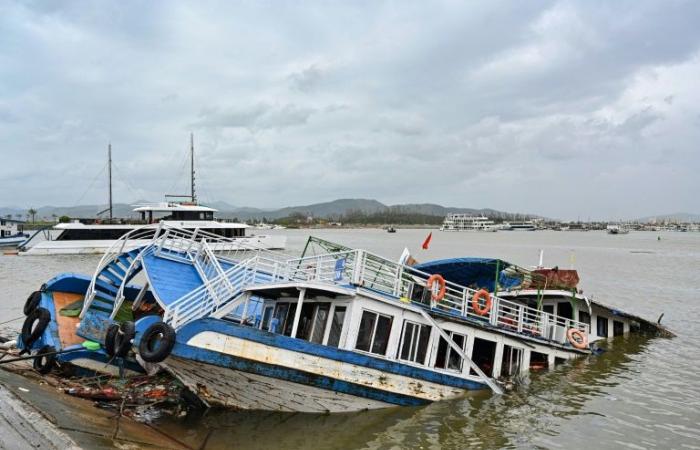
<point x="194" y="195"/>
<point x="109" y="171"/>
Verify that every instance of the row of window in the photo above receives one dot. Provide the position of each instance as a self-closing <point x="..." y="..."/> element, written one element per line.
<point x="313" y="321"/>
<point x="602" y="324"/>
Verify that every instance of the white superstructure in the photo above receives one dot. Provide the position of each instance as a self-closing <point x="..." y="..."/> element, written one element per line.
<point x="81" y="238"/>
<point x="465" y="222"/>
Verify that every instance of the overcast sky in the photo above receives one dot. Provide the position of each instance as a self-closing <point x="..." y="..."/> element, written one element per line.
<point x="565" y="109"/>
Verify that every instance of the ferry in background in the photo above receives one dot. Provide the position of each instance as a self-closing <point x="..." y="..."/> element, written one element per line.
<point x="465" y="222"/>
<point x="11" y="233"/>
<point x="527" y="225"/>
<point x="90" y="238"/>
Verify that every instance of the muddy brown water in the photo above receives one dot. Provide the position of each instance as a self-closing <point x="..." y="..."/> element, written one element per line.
<point x="641" y="393"/>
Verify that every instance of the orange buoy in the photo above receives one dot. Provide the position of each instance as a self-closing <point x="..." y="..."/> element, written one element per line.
<point x="577" y="338"/>
<point x="437" y="296"/>
<point x="476" y="305"/>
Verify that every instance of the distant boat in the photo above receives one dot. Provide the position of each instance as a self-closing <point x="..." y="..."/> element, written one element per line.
<point x="528" y="225"/>
<point x="617" y="229"/>
<point x="391" y="229"/>
<point x="11" y="233"/>
<point x="465" y="222"/>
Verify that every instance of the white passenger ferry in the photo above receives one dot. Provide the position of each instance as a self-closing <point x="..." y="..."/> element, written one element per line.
<point x="81" y="238"/>
<point x="527" y="225"/>
<point x="465" y="222"/>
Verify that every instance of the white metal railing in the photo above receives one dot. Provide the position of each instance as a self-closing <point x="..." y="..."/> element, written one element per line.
<point x="213" y="295"/>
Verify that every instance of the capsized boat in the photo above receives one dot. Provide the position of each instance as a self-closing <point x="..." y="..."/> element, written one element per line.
<point x="334" y="329"/>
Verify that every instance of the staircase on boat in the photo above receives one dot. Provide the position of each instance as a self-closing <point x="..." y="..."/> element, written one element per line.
<point x="193" y="275"/>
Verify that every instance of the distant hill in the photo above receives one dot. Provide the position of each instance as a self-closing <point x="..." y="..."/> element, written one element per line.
<point x="677" y="217"/>
<point x="327" y="210"/>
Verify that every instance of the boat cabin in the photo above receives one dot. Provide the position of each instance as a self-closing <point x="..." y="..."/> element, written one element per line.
<point x="10" y="228"/>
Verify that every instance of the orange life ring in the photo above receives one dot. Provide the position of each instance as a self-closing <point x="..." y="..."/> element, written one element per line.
<point x="441" y="293"/>
<point x="476" y="306"/>
<point x="577" y="338"/>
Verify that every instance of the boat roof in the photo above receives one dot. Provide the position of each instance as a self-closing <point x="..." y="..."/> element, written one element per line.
<point x="172" y="206"/>
<point x="204" y="224"/>
<point x="470" y="272"/>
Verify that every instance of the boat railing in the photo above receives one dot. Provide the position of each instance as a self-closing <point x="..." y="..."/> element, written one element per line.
<point x="113" y="252"/>
<point x="376" y="273"/>
<point x="212" y="295"/>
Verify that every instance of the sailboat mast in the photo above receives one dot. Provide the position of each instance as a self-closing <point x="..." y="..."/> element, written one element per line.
<point x="109" y="172"/>
<point x="194" y="195"/>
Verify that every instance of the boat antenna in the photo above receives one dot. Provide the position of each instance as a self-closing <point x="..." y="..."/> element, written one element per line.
<point x="194" y="195"/>
<point x="109" y="171"/>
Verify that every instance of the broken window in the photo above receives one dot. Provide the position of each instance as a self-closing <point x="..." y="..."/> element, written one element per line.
<point x="483" y="355"/>
<point x="447" y="357"/>
<point x="511" y="361"/>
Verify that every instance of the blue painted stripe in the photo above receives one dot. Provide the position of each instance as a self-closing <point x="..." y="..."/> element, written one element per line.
<point x="310" y="348"/>
<point x="294" y="375"/>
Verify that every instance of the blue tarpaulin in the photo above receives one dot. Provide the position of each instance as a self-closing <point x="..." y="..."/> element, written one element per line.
<point x="474" y="273"/>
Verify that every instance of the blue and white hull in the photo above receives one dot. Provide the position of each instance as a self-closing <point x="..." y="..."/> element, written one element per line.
<point x="241" y="367"/>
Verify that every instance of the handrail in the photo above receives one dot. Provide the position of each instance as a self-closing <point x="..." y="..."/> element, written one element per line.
<point x="23" y="246"/>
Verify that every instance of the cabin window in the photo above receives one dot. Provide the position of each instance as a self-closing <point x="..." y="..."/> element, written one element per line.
<point x="373" y="335"/>
<point x="538" y="361"/>
<point x="559" y="361"/>
<point x="267" y="315"/>
<point x="336" y="326"/>
<point x="283" y="318"/>
<point x="312" y="322"/>
<point x="584" y="317"/>
<point x="618" y="328"/>
<point x="602" y="326"/>
<point x="565" y="310"/>
<point x="447" y="357"/>
<point x="414" y="342"/>
<point x="511" y="361"/>
<point x="483" y="355"/>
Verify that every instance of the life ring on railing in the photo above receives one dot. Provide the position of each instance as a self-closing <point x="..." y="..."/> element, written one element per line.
<point x="577" y="338"/>
<point x="157" y="342"/>
<point x="436" y="296"/>
<point x="476" y="305"/>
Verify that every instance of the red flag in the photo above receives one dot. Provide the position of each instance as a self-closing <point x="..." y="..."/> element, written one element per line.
<point x="426" y="243"/>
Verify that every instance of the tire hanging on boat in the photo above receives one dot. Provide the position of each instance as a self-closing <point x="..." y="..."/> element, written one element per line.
<point x="45" y="359"/>
<point x="32" y="333"/>
<point x="577" y="338"/>
<point x="436" y="297"/>
<point x="157" y="342"/>
<point x="119" y="338"/>
<point x="32" y="302"/>
<point x="476" y="305"/>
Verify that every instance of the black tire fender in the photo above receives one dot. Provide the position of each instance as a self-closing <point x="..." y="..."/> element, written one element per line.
<point x="157" y="342"/>
<point x="123" y="338"/>
<point x="32" y="302"/>
<point x="45" y="359"/>
<point x="32" y="333"/>
<point x="112" y="330"/>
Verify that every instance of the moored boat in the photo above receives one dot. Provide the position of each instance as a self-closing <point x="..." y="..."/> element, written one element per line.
<point x="11" y="233"/>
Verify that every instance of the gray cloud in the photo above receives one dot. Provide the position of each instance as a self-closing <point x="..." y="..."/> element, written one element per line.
<point x="556" y="107"/>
